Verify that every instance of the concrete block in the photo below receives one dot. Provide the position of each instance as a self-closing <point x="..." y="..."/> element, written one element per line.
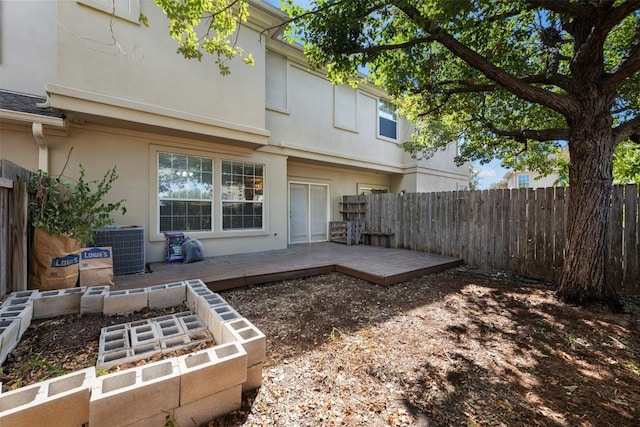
<point x="192" y="323"/>
<point x="114" y="358"/>
<point x="56" y="303"/>
<point x="207" y="301"/>
<point x="206" y="409"/>
<point x="251" y="338"/>
<point x="19" y="298"/>
<point x="167" y="295"/>
<point x="216" y="316"/>
<point x="143" y="334"/>
<point x="9" y="333"/>
<point x="92" y="301"/>
<point x="168" y="326"/>
<point x="167" y="345"/>
<point x="254" y="378"/>
<point x="135" y="394"/>
<point x="116" y="339"/>
<point x="62" y="401"/>
<point x="157" y="420"/>
<point x="194" y="289"/>
<point x="210" y="371"/>
<point x="24" y="312"/>
<point x="127" y="301"/>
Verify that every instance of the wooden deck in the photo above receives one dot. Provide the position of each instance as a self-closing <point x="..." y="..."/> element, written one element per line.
<point x="374" y="264"/>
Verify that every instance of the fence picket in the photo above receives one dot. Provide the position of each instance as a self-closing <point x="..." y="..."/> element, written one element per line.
<point x="522" y="231"/>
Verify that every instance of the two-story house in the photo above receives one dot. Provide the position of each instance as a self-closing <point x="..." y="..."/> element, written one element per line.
<point x="253" y="161"/>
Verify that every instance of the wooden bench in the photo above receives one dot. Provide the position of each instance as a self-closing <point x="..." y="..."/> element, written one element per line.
<point x="367" y="237"/>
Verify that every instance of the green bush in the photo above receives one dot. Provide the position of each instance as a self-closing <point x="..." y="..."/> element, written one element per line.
<point x="72" y="210"/>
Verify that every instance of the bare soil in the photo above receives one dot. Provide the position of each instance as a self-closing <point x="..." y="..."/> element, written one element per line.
<point x="456" y="348"/>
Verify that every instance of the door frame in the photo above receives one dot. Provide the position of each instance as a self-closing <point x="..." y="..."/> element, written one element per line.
<point x="309" y="184"/>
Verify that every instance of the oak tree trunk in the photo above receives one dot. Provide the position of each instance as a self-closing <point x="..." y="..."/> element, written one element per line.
<point x="585" y="278"/>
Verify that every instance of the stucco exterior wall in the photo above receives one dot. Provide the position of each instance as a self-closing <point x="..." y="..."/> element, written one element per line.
<point x="27" y="45"/>
<point x="17" y="144"/>
<point x="99" y="148"/>
<point x="123" y="59"/>
<point x="341" y="182"/>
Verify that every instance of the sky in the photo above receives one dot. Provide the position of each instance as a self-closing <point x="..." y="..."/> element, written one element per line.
<point x="490" y="173"/>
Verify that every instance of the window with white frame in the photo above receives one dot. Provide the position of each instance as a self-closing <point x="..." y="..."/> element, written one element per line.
<point x="242" y="195"/>
<point x="125" y="9"/>
<point x="387" y="120"/>
<point x="185" y="192"/>
<point x="523" y="181"/>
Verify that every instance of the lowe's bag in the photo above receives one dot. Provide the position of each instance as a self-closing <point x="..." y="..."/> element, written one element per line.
<point x="54" y="261"/>
<point x="96" y="266"/>
<point x="192" y="250"/>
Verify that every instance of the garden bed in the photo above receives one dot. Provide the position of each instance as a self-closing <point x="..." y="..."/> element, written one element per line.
<point x="449" y="349"/>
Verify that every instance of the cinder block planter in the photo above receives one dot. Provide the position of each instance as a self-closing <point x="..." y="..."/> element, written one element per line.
<point x="167" y="295"/>
<point x="210" y="371"/>
<point x="194" y="291"/>
<point x="135" y="394"/>
<point x="216" y="316"/>
<point x="249" y="337"/>
<point x="24" y="312"/>
<point x="56" y="303"/>
<point x="120" y="302"/>
<point x="205" y="302"/>
<point x="92" y="301"/>
<point x="9" y="333"/>
<point x="203" y="410"/>
<point x="196" y="387"/>
<point x="254" y="378"/>
<point x="62" y="401"/>
<point x="20" y="297"/>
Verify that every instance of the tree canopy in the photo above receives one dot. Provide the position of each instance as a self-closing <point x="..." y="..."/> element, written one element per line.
<point x="499" y="75"/>
<point x="206" y="26"/>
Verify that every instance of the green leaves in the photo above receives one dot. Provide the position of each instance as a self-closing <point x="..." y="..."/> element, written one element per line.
<point x="207" y="26"/>
<point x="501" y="77"/>
<point x="72" y="210"/>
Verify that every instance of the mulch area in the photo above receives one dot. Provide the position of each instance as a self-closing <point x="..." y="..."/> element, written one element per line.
<point x="456" y="348"/>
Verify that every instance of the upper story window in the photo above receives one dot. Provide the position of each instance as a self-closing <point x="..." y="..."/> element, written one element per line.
<point x="523" y="181"/>
<point x="185" y="192"/>
<point x="242" y="195"/>
<point x="125" y="9"/>
<point x="387" y="120"/>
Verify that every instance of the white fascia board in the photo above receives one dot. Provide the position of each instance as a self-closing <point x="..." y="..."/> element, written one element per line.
<point x="84" y="102"/>
<point x="17" y="116"/>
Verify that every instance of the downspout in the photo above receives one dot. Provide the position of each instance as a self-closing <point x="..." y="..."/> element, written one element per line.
<point x="43" y="148"/>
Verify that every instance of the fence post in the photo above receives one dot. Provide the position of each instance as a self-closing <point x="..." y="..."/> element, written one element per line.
<point x="19" y="237"/>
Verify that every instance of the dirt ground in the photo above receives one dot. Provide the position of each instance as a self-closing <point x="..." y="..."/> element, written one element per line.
<point x="456" y="348"/>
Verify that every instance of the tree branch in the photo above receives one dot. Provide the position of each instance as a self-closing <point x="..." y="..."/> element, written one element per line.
<point x="628" y="129"/>
<point x="629" y="65"/>
<point x="561" y="104"/>
<point x="555" y="134"/>
<point x="563" y="7"/>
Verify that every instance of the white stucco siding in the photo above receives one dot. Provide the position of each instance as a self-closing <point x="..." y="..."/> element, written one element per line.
<point x="18" y="145"/>
<point x="28" y="45"/>
<point x="341" y="181"/>
<point x="98" y="148"/>
<point x="123" y="59"/>
<point x="310" y="124"/>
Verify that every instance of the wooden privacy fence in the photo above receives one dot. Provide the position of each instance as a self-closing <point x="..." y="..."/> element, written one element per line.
<point x="13" y="227"/>
<point x="521" y="231"/>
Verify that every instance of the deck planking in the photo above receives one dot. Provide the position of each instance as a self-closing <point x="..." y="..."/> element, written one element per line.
<point x="383" y="266"/>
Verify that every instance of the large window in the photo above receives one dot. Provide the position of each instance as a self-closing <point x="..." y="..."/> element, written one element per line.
<point x="242" y="195"/>
<point x="523" y="181"/>
<point x="185" y="192"/>
<point x="388" y="121"/>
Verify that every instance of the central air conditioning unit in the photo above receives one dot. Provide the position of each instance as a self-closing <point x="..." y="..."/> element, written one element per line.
<point x="127" y="243"/>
